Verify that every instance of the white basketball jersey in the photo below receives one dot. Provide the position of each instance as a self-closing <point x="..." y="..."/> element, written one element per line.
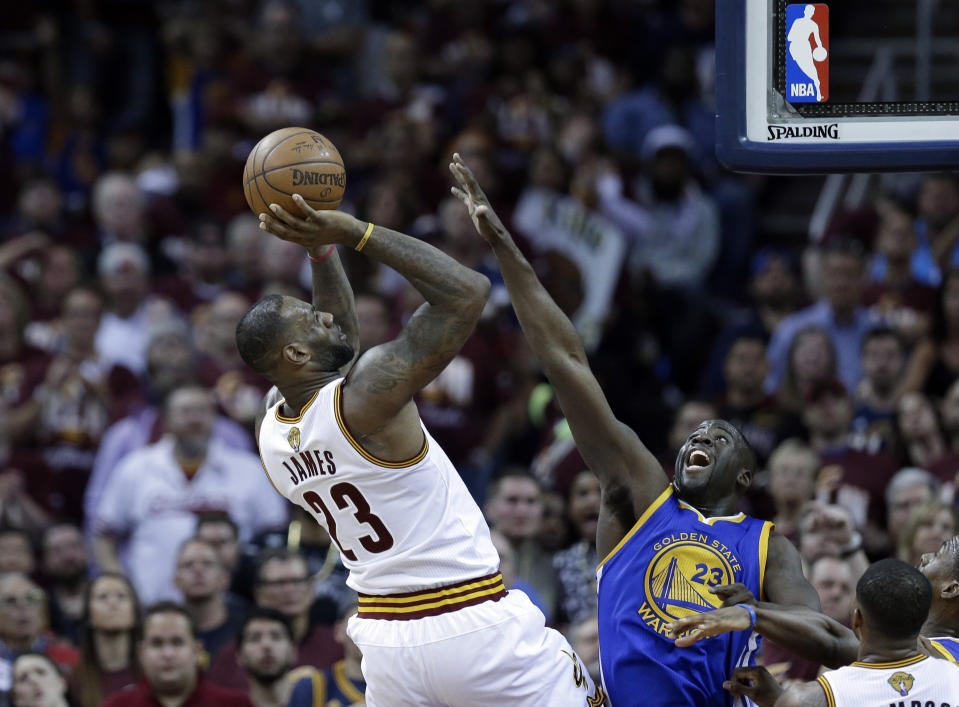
<point x="919" y="680"/>
<point x="400" y="526"/>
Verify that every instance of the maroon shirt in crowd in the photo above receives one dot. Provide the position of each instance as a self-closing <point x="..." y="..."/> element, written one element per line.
<point x="206" y="694"/>
<point x="318" y="649"/>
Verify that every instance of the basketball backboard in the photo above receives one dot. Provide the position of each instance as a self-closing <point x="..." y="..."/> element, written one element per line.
<point x="850" y="85"/>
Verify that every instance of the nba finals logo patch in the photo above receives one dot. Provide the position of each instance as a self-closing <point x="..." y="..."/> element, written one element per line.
<point x="294" y="439"/>
<point x="901" y="682"/>
<point x="807" y="53"/>
<point x="678" y="578"/>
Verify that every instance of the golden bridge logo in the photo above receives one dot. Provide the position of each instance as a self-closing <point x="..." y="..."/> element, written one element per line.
<point x="678" y="579"/>
<point x="901" y="682"/>
<point x="294" y="439"/>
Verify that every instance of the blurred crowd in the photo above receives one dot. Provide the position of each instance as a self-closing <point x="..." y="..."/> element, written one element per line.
<point x="128" y="254"/>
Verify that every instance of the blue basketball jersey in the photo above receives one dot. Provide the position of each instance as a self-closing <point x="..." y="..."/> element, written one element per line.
<point x="659" y="572"/>
<point x="948" y="646"/>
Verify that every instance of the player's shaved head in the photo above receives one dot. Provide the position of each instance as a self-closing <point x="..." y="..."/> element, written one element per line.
<point x="894" y="598"/>
<point x="259" y="333"/>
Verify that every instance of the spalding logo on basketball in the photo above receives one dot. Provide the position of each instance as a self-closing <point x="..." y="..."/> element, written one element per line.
<point x="294" y="161"/>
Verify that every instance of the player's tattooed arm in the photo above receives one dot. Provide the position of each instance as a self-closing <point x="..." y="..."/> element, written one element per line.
<point x="385" y="379"/>
<point x="331" y="288"/>
<point x="609" y="448"/>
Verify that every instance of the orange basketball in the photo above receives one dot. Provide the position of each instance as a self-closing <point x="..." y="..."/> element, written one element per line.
<point x="293" y="161"/>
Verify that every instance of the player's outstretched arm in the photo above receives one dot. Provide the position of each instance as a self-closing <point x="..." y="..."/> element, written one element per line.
<point x="331" y="288"/>
<point x="807" y="633"/>
<point x="611" y="449"/>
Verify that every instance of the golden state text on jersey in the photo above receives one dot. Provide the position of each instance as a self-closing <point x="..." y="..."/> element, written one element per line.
<point x="661" y="571"/>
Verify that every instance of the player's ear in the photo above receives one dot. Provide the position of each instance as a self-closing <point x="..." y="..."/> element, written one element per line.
<point x="745" y="478"/>
<point x="856" y="622"/>
<point x="296" y="353"/>
<point x="949" y="590"/>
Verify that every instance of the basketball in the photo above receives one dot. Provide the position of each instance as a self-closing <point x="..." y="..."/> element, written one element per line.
<point x="293" y="161"/>
<point x="819" y="54"/>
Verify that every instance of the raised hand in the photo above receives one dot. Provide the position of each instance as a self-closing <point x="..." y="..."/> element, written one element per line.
<point x="697" y="627"/>
<point x="487" y="223"/>
<point x="314" y="229"/>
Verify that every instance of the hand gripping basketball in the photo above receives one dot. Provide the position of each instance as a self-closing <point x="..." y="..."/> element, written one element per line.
<point x="314" y="228"/>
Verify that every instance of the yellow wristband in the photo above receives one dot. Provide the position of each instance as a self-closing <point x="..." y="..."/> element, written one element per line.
<point x="365" y="238"/>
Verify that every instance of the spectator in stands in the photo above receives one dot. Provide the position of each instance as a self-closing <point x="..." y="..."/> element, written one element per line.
<point x="938" y="222"/>
<point x="934" y="364"/>
<point x="66" y="573"/>
<point x="79" y="396"/>
<point x="219" y="531"/>
<point x="169" y="655"/>
<point x="282" y="583"/>
<point x="828" y="530"/>
<point x="507" y="566"/>
<point x="895" y="293"/>
<point x="839" y="312"/>
<point x="811" y="360"/>
<point x="922" y="440"/>
<point x="949" y="415"/>
<point x="265" y="651"/>
<point x="16" y="551"/>
<point x="575" y="566"/>
<point x="152" y="496"/>
<point x="850" y="477"/>
<point x="327" y="572"/>
<point x="876" y="397"/>
<point x="773" y="294"/>
<point x="907" y="490"/>
<point x="746" y="404"/>
<point x="38" y="682"/>
<point x="23" y="626"/>
<point x="203" y="580"/>
<point x="244" y="253"/>
<point x="793" y="468"/>
<point x="124" y="332"/>
<point x="514" y="507"/>
<point x="119" y="210"/>
<point x="109" y="631"/>
<point x="929" y="526"/>
<point x="171" y="362"/>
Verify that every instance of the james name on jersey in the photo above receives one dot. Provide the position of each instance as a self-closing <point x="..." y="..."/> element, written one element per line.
<point x="314" y="462"/>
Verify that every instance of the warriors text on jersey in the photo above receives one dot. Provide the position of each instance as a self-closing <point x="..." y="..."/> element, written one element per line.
<point x="919" y="680"/>
<point x="402" y="525"/>
<point x="662" y="571"/>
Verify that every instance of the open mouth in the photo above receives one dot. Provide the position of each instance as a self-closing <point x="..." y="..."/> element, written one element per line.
<point x="697" y="460"/>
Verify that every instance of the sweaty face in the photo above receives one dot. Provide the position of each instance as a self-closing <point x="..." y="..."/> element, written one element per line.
<point x="940" y="566"/>
<point x="318" y="330"/>
<point x="709" y="462"/>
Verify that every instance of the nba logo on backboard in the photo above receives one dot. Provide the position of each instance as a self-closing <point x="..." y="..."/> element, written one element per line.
<point x="807" y="53"/>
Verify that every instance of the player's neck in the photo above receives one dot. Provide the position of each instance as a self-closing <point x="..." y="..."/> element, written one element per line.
<point x="940" y="623"/>
<point x="886" y="650"/>
<point x="296" y="394"/>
